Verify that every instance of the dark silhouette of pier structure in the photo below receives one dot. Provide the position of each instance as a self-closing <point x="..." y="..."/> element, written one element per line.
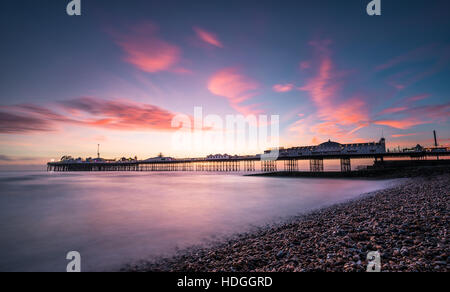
<point x="238" y="163"/>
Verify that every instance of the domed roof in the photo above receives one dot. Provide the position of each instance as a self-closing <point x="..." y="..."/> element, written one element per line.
<point x="330" y="144"/>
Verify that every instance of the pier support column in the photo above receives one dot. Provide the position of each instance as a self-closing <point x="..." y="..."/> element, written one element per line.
<point x="316" y="165"/>
<point x="291" y="165"/>
<point x="268" y="166"/>
<point x="346" y="165"/>
<point x="379" y="162"/>
<point x="273" y="165"/>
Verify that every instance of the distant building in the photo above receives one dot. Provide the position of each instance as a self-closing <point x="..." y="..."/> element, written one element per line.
<point x="67" y="159"/>
<point x="124" y="159"/>
<point x="159" y="158"/>
<point x="418" y="148"/>
<point x="95" y="160"/>
<point x="220" y="156"/>
<point x="70" y="159"/>
<point x="438" y="149"/>
<point x="333" y="148"/>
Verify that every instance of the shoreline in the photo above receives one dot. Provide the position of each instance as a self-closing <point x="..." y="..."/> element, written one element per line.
<point x="376" y="174"/>
<point x="406" y="223"/>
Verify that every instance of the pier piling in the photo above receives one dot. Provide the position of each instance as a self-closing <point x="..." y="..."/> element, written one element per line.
<point x="316" y="165"/>
<point x="346" y="165"/>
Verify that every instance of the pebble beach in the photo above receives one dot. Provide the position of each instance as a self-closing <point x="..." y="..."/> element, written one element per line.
<point x="407" y="224"/>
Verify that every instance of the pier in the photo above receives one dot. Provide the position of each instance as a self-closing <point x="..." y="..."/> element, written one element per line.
<point x="238" y="164"/>
<point x="288" y="159"/>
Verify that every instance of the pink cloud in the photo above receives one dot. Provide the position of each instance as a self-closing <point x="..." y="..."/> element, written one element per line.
<point x="416" y="116"/>
<point x="85" y="112"/>
<point x="398" y="86"/>
<point x="358" y="140"/>
<point x="121" y="114"/>
<point x="329" y="129"/>
<point x="393" y="110"/>
<point x="340" y="118"/>
<point x="417" y="98"/>
<point x="283" y="87"/>
<point x="181" y="70"/>
<point x="336" y="117"/>
<point x="404" y="105"/>
<point x="401" y="123"/>
<point x="146" y="51"/>
<point x="208" y="37"/>
<point x="350" y="112"/>
<point x="324" y="88"/>
<point x="405" y="135"/>
<point x="236" y="87"/>
<point x="437" y="113"/>
<point x="17" y="123"/>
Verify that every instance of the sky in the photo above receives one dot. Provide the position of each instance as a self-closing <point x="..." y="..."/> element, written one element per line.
<point x="118" y="74"/>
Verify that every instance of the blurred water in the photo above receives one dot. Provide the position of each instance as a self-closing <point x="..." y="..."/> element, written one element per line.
<point x="117" y="218"/>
